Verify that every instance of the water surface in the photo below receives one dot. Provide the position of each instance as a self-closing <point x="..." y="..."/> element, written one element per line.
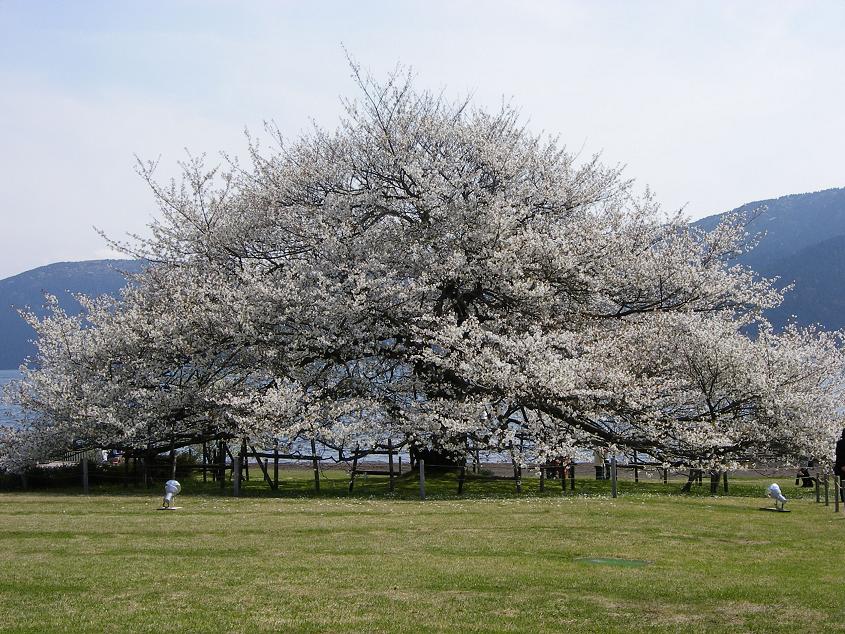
<point x="8" y="413"/>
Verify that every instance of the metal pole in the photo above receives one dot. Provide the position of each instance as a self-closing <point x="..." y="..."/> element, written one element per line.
<point x="613" y="492"/>
<point x="422" y="479"/>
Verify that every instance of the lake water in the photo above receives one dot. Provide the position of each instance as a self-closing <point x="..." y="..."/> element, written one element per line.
<point x="7" y="413"/>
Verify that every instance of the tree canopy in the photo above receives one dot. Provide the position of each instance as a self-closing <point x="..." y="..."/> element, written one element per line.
<point x="433" y="273"/>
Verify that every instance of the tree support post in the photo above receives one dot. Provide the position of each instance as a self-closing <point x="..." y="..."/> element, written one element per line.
<point x="354" y="467"/>
<point x="316" y="465"/>
<point x="236" y="476"/>
<point x="422" y="478"/>
<point x="725" y="481"/>
<point x="817" y="488"/>
<point x="826" y="491"/>
<point x="222" y="449"/>
<point x="276" y="464"/>
<point x="613" y="491"/>
<point x="145" y="464"/>
<point x="836" y="490"/>
<point x="636" y="468"/>
<point x="85" y="488"/>
<point x="572" y="476"/>
<point x="392" y="484"/>
<point x="172" y="458"/>
<point x="263" y="466"/>
<point x="245" y="460"/>
<point x="204" y="461"/>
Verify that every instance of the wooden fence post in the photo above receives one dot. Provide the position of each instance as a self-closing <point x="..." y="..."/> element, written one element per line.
<point x="636" y="469"/>
<point x="276" y="465"/>
<point x="236" y="475"/>
<point x="826" y="491"/>
<point x="263" y="465"/>
<point x="172" y="458"/>
<point x="354" y="467"/>
<point x="390" y="464"/>
<point x="315" y="464"/>
<point x="613" y="491"/>
<point x="222" y="449"/>
<point x="85" y="488"/>
<point x="422" y="478"/>
<point x="245" y="460"/>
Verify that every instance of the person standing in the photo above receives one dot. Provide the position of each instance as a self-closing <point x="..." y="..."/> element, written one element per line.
<point x="839" y="463"/>
<point x="599" y="462"/>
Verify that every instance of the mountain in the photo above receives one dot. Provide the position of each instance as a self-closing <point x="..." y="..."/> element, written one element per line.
<point x="803" y="244"/>
<point x="791" y="224"/>
<point x="95" y="277"/>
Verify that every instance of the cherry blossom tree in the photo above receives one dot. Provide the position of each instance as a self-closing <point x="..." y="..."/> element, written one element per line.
<point x="434" y="274"/>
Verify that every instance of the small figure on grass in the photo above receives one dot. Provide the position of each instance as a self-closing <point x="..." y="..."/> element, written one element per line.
<point x="777" y="496"/>
<point x="171" y="490"/>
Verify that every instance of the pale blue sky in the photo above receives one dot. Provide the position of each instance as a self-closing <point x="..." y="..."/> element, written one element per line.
<point x="712" y="104"/>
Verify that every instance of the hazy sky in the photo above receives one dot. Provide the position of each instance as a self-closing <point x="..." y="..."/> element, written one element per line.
<point x="712" y="104"/>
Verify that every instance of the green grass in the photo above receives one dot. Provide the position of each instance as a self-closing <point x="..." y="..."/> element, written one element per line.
<point x="371" y="563"/>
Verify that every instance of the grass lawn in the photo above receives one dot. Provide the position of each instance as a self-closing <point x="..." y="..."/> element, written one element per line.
<point x="369" y="563"/>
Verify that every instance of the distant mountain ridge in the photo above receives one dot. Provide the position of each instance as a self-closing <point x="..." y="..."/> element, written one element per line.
<point x="804" y="244"/>
<point x="62" y="279"/>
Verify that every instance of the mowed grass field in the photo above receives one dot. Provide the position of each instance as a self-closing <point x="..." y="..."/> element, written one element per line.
<point x="697" y="563"/>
